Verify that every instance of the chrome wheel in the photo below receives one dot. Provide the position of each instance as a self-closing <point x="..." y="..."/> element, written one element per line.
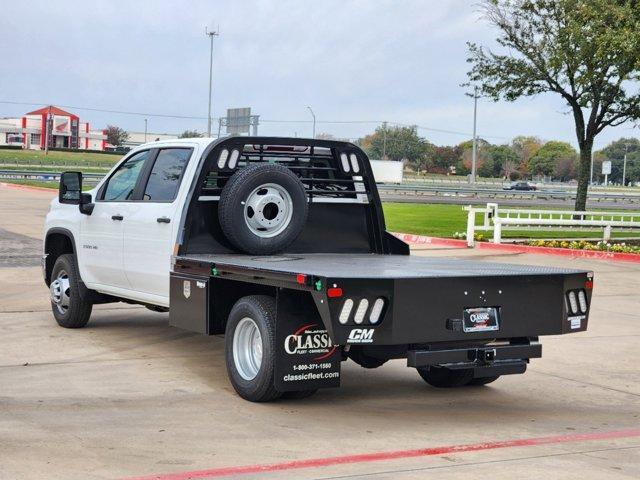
<point x="268" y="210"/>
<point x="247" y="348"/>
<point x="60" y="290"/>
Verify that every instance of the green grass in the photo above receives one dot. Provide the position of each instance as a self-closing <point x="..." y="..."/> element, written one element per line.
<point x="38" y="158"/>
<point x="441" y="220"/>
<point x="55" y="169"/>
<point x="32" y="183"/>
<point x="39" y="183"/>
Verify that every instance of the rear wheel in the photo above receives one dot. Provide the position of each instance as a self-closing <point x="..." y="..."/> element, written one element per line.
<point x="483" y="380"/>
<point x="299" y="394"/>
<point x="365" y="361"/>
<point x="441" y="377"/>
<point x="69" y="302"/>
<point x="250" y="348"/>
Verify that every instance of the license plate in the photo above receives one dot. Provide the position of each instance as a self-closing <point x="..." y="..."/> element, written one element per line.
<point x="480" y="319"/>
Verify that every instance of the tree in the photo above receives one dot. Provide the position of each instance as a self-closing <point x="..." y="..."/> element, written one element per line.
<point x="586" y="51"/>
<point x="116" y="136"/>
<point x="442" y="159"/>
<point x="467" y="156"/>
<point x="191" y="134"/>
<point x="397" y="143"/>
<point x="615" y="152"/>
<point x="551" y="154"/>
<point x="525" y="148"/>
<point x="503" y="161"/>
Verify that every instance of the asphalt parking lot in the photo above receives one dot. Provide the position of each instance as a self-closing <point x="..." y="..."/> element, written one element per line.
<point x="129" y="396"/>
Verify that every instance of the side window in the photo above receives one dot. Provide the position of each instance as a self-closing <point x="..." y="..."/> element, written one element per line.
<point x="166" y="174"/>
<point x="122" y="183"/>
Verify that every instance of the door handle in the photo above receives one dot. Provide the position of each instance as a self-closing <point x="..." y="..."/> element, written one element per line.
<point x="116" y="217"/>
<point x="163" y="220"/>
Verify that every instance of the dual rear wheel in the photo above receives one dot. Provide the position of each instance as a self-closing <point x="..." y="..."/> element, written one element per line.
<point x="250" y="350"/>
<point x="441" y="377"/>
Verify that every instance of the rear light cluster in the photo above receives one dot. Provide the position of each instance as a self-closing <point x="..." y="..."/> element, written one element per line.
<point x="577" y="300"/>
<point x="362" y="311"/>
<point x="349" y="163"/>
<point x="233" y="158"/>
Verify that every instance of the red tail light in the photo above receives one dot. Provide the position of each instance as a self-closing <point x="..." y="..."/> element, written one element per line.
<point x="334" y="292"/>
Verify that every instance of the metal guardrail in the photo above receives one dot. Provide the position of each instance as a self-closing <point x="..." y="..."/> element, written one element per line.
<point x="469" y="191"/>
<point x="92" y="178"/>
<point x="496" y="219"/>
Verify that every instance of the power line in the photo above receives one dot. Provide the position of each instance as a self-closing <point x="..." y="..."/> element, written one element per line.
<point x="294" y="121"/>
<point x="121" y="112"/>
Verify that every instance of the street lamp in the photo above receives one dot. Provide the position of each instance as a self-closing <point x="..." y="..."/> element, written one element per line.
<point x="474" y="153"/>
<point x="210" y="35"/>
<point x="624" y="165"/>
<point x="314" y="121"/>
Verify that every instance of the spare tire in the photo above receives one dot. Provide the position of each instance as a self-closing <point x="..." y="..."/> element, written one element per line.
<point x="263" y="208"/>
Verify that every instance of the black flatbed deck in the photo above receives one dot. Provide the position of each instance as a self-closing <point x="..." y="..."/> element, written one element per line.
<point x="369" y="266"/>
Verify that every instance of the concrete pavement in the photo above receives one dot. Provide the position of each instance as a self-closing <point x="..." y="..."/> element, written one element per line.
<point x="130" y="396"/>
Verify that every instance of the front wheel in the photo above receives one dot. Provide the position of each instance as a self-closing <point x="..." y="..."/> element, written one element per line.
<point x="69" y="303"/>
<point x="250" y="350"/>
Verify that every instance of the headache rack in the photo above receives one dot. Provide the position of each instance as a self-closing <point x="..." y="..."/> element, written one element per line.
<point x="320" y="169"/>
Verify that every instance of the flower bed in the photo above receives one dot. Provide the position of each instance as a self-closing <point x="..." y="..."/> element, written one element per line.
<point x="478" y="237"/>
<point x="585" y="245"/>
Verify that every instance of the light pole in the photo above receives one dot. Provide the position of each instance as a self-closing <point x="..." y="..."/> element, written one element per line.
<point x="624" y="165"/>
<point x="210" y="35"/>
<point x="474" y="151"/>
<point x="314" y="122"/>
<point x="47" y="133"/>
<point x="384" y="140"/>
<point x="145" y="130"/>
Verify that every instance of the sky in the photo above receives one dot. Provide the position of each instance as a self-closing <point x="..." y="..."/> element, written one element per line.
<point x="354" y="62"/>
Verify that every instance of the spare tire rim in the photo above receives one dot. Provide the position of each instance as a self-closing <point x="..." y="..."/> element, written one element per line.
<point x="247" y="348"/>
<point x="60" y="290"/>
<point x="268" y="210"/>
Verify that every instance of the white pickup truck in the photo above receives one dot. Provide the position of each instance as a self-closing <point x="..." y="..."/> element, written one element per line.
<point x="280" y="244"/>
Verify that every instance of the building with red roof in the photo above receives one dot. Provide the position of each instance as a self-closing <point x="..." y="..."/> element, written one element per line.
<point x="53" y="126"/>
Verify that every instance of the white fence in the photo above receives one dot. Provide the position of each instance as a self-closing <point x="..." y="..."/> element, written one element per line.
<point x="498" y="219"/>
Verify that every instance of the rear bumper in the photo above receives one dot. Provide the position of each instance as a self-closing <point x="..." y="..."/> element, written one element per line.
<point x="430" y="310"/>
<point x="485" y="361"/>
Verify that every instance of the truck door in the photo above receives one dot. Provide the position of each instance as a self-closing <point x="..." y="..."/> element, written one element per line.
<point x="101" y="233"/>
<point x="152" y="223"/>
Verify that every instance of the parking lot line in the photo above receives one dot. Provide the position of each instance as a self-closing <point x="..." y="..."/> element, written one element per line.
<point x="391" y="455"/>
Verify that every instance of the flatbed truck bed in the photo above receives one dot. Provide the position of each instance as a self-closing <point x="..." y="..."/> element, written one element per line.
<point x="368" y="265"/>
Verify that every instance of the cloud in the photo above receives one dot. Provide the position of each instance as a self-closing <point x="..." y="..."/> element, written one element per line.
<point x="399" y="61"/>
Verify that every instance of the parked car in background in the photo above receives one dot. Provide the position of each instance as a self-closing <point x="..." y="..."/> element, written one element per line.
<point x="525" y="186"/>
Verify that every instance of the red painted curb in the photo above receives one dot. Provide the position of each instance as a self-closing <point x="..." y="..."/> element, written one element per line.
<point x="514" y="248"/>
<point x="424" y="240"/>
<point x="17" y="186"/>
<point x="392" y="455"/>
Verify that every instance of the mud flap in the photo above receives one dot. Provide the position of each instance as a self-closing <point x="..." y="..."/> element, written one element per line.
<point x="306" y="358"/>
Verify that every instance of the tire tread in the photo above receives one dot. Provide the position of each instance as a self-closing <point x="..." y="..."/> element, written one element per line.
<point x="80" y="308"/>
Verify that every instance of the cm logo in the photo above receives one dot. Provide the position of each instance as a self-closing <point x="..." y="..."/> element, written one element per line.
<point x="361" y="335"/>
